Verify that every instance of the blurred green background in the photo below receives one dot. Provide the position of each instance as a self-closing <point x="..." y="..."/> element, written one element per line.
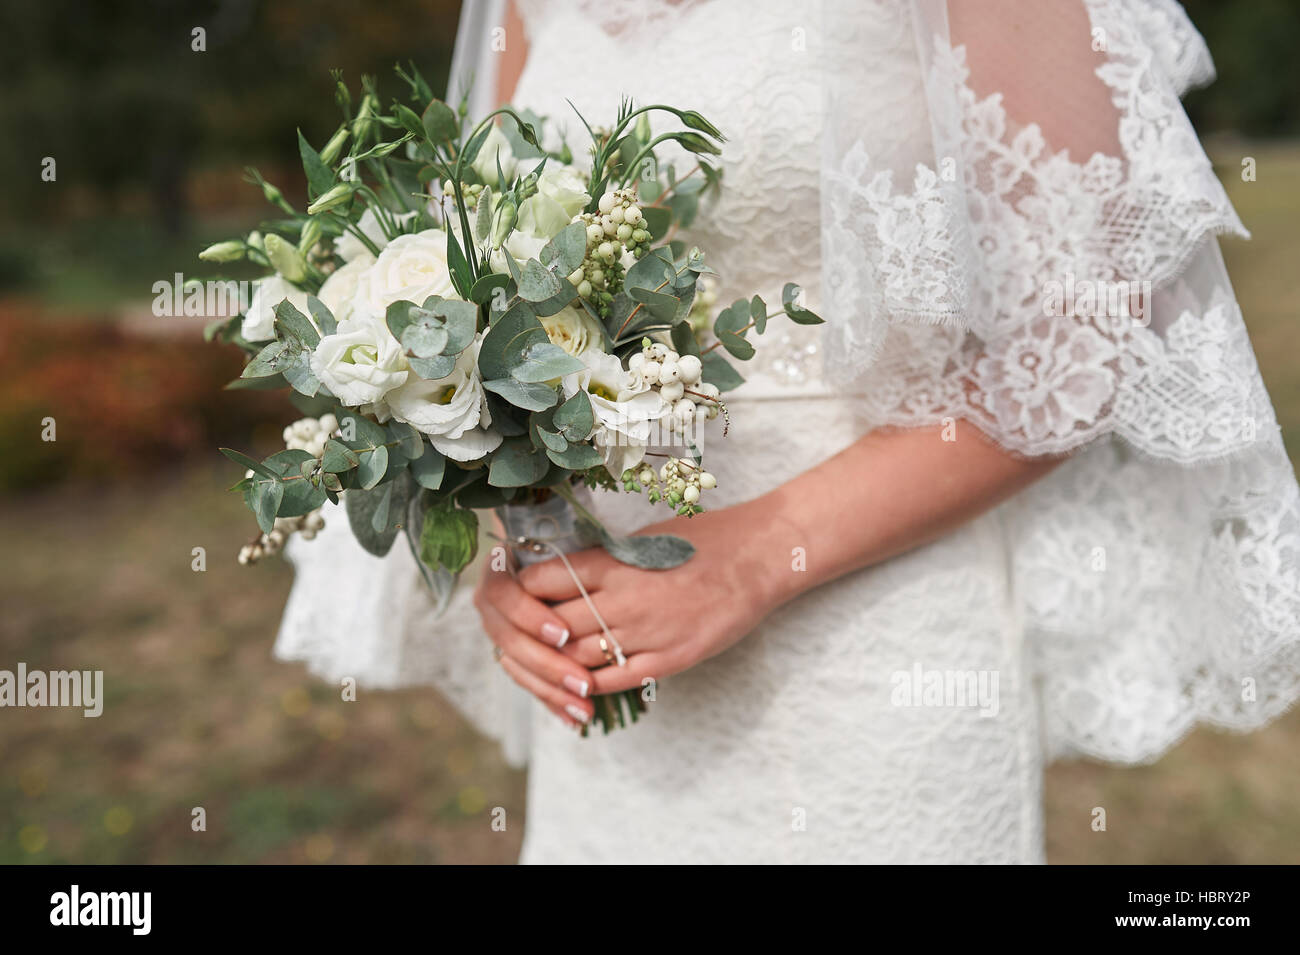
<point x="149" y="137"/>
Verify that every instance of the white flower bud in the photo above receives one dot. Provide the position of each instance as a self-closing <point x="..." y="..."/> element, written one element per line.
<point x="632" y="215"/>
<point x="616" y="215"/>
<point x="607" y="202"/>
<point x="707" y="481"/>
<point x="691" y="495"/>
<point x="594" y="233"/>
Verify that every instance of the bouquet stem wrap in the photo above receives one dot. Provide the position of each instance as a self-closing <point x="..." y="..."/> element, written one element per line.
<point x="546" y="529"/>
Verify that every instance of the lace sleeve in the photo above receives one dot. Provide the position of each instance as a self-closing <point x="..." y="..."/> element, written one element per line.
<point x="1037" y="255"/>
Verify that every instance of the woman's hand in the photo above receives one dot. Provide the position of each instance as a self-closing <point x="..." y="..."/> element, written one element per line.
<point x="665" y="621"/>
<point x="529" y="636"/>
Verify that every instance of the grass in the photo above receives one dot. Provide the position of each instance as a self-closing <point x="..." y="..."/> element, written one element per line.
<point x="198" y="716"/>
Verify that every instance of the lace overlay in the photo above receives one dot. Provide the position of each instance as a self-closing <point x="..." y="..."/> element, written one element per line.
<point x="1149" y="583"/>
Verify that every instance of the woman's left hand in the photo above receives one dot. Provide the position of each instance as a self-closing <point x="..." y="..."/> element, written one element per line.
<point x="666" y="621"/>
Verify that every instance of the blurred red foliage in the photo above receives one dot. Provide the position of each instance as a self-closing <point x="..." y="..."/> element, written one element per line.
<point x="121" y="403"/>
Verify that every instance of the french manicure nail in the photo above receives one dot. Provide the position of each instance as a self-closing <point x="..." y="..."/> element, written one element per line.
<point x="554" y="634"/>
<point x="575" y="686"/>
<point x="577" y="713"/>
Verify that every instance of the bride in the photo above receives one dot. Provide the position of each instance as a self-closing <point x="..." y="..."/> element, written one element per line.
<point x="1030" y="501"/>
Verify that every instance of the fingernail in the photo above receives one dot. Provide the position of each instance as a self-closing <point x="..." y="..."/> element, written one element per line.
<point x="575" y="686"/>
<point x="577" y="712"/>
<point x="554" y="634"/>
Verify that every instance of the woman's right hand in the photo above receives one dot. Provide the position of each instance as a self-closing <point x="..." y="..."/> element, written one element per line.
<point x="529" y="635"/>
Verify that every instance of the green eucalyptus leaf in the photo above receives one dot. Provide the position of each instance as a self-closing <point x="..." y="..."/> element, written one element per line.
<point x="298" y="372"/>
<point x="295" y="324"/>
<point x="338" y="457"/>
<point x="374" y="515"/>
<point x="684" y="342"/>
<point x="576" y="457"/>
<point x="372" y="466"/>
<point x="516" y="464"/>
<point x="433" y="369"/>
<point x="575" y="418"/>
<point x="718" y="371"/>
<point x="429" y="468"/>
<point x="257" y="467"/>
<point x="538" y="283"/>
<point x="531" y="396"/>
<point x="545" y="361"/>
<point x="737" y="345"/>
<point x="459" y="319"/>
<point x="439" y="122"/>
<point x="758" y="312"/>
<point x="266" y="498"/>
<point x="507" y="340"/>
<point x="410" y="442"/>
<point x="567" y="250"/>
<point x="271" y="360"/>
<point x="549" y="440"/>
<point x="798" y="315"/>
<point x="482" y="291"/>
<point x="324" y="318"/>
<point x="649" y="552"/>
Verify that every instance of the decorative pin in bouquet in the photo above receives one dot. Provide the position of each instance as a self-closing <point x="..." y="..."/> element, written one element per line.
<point x="469" y="320"/>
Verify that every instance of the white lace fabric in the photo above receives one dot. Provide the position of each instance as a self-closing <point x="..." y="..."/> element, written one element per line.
<point x="940" y="167"/>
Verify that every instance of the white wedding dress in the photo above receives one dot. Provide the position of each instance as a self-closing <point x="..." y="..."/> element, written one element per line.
<point x="1150" y="583"/>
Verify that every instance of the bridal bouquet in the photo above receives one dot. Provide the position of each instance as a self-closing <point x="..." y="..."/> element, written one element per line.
<point x="470" y="320"/>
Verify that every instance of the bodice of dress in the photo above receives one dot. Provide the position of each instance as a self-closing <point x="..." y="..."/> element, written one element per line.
<point x="755" y="72"/>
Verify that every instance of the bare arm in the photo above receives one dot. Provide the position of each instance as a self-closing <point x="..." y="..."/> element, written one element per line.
<point x="513" y="56"/>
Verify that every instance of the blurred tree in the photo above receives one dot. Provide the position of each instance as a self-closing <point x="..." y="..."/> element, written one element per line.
<point x="1254" y="46"/>
<point x="118" y="94"/>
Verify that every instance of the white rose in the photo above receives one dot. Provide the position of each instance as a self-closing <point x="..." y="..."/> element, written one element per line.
<point x="566" y="186"/>
<point x="360" y="363"/>
<point x="259" y="320"/>
<point x="452" y="411"/>
<point x="340" y="288"/>
<point x="625" y="410"/>
<point x="520" y="247"/>
<point x="495" y="147"/>
<point x="348" y="246"/>
<point x="411" y="268"/>
<point x="560" y="196"/>
<point x="573" y="330"/>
